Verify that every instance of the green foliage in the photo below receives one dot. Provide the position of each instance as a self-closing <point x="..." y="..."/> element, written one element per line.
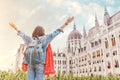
<point x="20" y="75"/>
<point x="8" y="75"/>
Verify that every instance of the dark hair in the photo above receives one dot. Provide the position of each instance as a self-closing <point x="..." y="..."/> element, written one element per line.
<point x="38" y="31"/>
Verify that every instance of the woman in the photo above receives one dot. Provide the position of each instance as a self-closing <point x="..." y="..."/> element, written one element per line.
<point x="36" y="72"/>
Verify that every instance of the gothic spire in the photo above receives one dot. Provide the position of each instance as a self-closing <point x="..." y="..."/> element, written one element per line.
<point x="96" y="21"/>
<point x="106" y="17"/>
<point x="106" y="12"/>
<point x="74" y="26"/>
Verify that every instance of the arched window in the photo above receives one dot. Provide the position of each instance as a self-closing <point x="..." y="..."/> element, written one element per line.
<point x="83" y="70"/>
<point x="116" y="64"/>
<point x="94" y="69"/>
<point x="114" y="53"/>
<point x="109" y="65"/>
<point x="59" y="55"/>
<point x="90" y="70"/>
<point x="106" y="43"/>
<point x="100" y="41"/>
<point x="79" y="50"/>
<point x="93" y="54"/>
<point x="98" y="53"/>
<point x="63" y="55"/>
<point x="113" y="40"/>
<point x="86" y="70"/>
<point x="60" y="62"/>
<point x="99" y="68"/>
<point x="107" y="54"/>
<point x="70" y="62"/>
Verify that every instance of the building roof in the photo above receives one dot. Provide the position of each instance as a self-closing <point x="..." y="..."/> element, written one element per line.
<point x="74" y="34"/>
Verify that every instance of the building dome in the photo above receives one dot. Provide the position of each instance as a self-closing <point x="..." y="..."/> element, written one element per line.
<point x="74" y="34"/>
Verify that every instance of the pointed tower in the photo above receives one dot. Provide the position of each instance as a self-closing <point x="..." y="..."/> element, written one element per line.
<point x="74" y="26"/>
<point x="84" y="32"/>
<point x="96" y="21"/>
<point x="106" y="17"/>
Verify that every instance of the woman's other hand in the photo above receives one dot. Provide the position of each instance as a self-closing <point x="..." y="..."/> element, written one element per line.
<point x="70" y="19"/>
<point x="13" y="26"/>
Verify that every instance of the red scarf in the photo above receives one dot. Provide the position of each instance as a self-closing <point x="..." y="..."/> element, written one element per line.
<point x="49" y="67"/>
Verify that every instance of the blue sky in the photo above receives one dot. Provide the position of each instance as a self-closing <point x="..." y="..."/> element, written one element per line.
<point x="51" y="14"/>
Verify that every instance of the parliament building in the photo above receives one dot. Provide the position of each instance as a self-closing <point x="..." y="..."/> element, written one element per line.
<point x="96" y="52"/>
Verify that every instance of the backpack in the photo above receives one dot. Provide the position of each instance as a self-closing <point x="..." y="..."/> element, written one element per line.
<point x="34" y="51"/>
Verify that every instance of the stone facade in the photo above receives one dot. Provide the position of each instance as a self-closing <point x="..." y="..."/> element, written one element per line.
<point x="97" y="52"/>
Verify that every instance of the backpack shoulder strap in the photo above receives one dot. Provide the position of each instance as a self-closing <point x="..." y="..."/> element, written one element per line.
<point x="40" y="40"/>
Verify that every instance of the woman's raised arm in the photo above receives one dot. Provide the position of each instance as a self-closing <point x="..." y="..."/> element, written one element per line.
<point x="13" y="26"/>
<point x="51" y="36"/>
<point x="25" y="37"/>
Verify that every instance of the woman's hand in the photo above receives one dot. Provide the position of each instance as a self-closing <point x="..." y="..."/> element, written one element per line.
<point x="70" y="19"/>
<point x="13" y="26"/>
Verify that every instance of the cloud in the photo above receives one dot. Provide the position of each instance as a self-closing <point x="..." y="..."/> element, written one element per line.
<point x="27" y="13"/>
<point x="89" y="14"/>
<point x="33" y="11"/>
<point x="55" y="3"/>
<point x="111" y="2"/>
<point x="74" y="7"/>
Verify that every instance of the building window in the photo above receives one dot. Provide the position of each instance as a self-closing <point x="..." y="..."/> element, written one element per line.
<point x="81" y="49"/>
<point x="82" y="59"/>
<point x="79" y="60"/>
<point x="59" y="55"/>
<point x="63" y="55"/>
<point x="90" y="70"/>
<point x="78" y="50"/>
<point x="60" y="62"/>
<point x="99" y="68"/>
<point x="96" y="43"/>
<point x="65" y="62"/>
<point x="86" y="70"/>
<point x="106" y="44"/>
<point x="113" y="41"/>
<point x="94" y="69"/>
<point x="101" y="52"/>
<point x="80" y="71"/>
<point x="70" y="62"/>
<point x="102" y="60"/>
<point x="109" y="65"/>
<point x="85" y="48"/>
<point x="93" y="55"/>
<point x="98" y="53"/>
<point x="107" y="55"/>
<point x="114" y="53"/>
<point x="116" y="64"/>
<point x="92" y="44"/>
<point x="83" y="70"/>
<point x="100" y="41"/>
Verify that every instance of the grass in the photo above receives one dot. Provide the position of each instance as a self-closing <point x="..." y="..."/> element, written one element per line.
<point x="20" y="75"/>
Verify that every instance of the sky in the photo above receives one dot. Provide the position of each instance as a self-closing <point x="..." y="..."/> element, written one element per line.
<point x="50" y="14"/>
